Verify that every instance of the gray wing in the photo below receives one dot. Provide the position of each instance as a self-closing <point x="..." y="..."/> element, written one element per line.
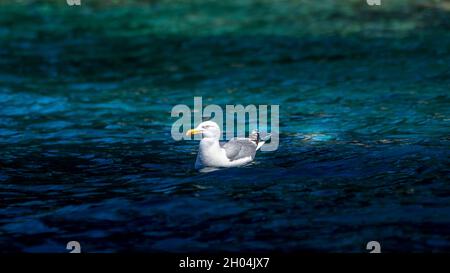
<point x="238" y="148"/>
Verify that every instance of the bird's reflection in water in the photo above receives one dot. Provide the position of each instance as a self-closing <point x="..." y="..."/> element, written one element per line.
<point x="209" y="169"/>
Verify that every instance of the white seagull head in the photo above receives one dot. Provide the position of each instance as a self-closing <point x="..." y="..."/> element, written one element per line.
<point x="209" y="129"/>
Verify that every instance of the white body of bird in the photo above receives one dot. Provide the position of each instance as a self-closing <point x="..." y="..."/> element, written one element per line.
<point x="234" y="153"/>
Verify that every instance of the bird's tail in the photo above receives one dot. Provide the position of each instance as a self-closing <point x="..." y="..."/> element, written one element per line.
<point x="256" y="138"/>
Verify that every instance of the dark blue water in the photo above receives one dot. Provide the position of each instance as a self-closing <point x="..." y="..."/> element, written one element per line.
<point x="86" y="152"/>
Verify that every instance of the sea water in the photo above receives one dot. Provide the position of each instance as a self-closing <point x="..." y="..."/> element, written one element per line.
<point x="86" y="152"/>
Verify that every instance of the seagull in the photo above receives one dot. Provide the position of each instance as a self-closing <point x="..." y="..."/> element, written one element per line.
<point x="234" y="153"/>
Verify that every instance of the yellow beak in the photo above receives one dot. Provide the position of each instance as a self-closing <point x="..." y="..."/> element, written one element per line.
<point x="193" y="132"/>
